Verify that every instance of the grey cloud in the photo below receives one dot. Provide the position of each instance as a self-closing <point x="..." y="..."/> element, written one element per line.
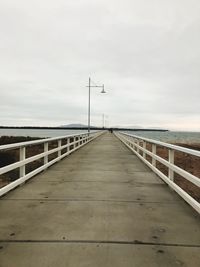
<point x="146" y="52"/>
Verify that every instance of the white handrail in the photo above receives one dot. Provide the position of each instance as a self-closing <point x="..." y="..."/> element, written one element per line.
<point x="138" y="144"/>
<point x="40" y="141"/>
<point x="174" y="147"/>
<point x="71" y="146"/>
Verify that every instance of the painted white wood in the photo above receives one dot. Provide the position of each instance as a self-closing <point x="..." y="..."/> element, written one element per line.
<point x="172" y="168"/>
<point x="76" y="144"/>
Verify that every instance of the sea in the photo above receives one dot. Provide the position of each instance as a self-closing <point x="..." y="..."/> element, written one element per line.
<point x="169" y="136"/>
<point x="39" y="132"/>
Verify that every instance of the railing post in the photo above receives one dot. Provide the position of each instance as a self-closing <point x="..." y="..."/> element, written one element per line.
<point x="74" y="141"/>
<point x="138" y="143"/>
<point x="171" y="160"/>
<point x="134" y="144"/>
<point x="79" y="139"/>
<point x="46" y="148"/>
<point x="59" y="145"/>
<point x="82" y="136"/>
<point x="131" y="142"/>
<point x="154" y="152"/>
<point x="22" y="156"/>
<point x="68" y="143"/>
<point x="128" y="140"/>
<point x="144" y="146"/>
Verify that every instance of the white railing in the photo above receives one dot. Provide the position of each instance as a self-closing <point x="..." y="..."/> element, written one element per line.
<point x="65" y="145"/>
<point x="139" y="146"/>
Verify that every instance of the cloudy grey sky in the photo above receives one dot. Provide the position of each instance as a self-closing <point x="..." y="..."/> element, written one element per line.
<point x="146" y="52"/>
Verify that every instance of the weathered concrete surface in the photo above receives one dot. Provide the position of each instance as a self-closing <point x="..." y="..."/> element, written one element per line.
<point x="99" y="207"/>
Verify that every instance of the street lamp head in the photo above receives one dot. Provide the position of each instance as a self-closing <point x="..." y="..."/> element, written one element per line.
<point x="103" y="91"/>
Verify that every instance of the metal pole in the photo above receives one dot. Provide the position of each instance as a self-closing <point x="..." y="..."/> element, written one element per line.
<point x="89" y="106"/>
<point x="103" y="121"/>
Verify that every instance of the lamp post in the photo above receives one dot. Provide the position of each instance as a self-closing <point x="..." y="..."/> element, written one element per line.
<point x="89" y="100"/>
<point x="104" y="120"/>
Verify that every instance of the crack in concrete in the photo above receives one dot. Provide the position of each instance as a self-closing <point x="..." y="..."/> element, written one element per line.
<point x="114" y="242"/>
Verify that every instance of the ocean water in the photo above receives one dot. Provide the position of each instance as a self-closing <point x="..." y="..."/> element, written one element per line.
<point x="170" y="137"/>
<point x="39" y="132"/>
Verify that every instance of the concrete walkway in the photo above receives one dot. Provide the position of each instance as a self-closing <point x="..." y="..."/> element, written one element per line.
<point x="100" y="207"/>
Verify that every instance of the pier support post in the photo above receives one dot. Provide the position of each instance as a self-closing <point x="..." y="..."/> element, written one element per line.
<point x="59" y="145"/>
<point x="68" y="143"/>
<point x="171" y="160"/>
<point x="144" y="146"/>
<point x="154" y="152"/>
<point x="22" y="156"/>
<point x="46" y="148"/>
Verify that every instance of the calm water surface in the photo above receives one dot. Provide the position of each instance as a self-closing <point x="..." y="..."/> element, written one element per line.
<point x="170" y="137"/>
<point x="39" y="132"/>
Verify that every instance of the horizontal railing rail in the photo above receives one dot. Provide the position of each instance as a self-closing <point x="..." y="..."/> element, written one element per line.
<point x="72" y="143"/>
<point x="139" y="146"/>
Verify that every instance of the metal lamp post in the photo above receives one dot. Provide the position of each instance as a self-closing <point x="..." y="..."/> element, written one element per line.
<point x="104" y="121"/>
<point x="89" y="100"/>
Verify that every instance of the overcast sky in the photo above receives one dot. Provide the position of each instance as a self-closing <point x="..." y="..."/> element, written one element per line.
<point x="146" y="52"/>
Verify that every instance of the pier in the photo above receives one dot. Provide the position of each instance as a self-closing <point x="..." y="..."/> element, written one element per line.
<point x="101" y="206"/>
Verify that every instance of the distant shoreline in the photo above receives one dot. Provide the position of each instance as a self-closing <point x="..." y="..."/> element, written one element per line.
<point x="82" y="128"/>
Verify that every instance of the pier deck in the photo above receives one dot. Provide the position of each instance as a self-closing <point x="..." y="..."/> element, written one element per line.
<point x="101" y="206"/>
